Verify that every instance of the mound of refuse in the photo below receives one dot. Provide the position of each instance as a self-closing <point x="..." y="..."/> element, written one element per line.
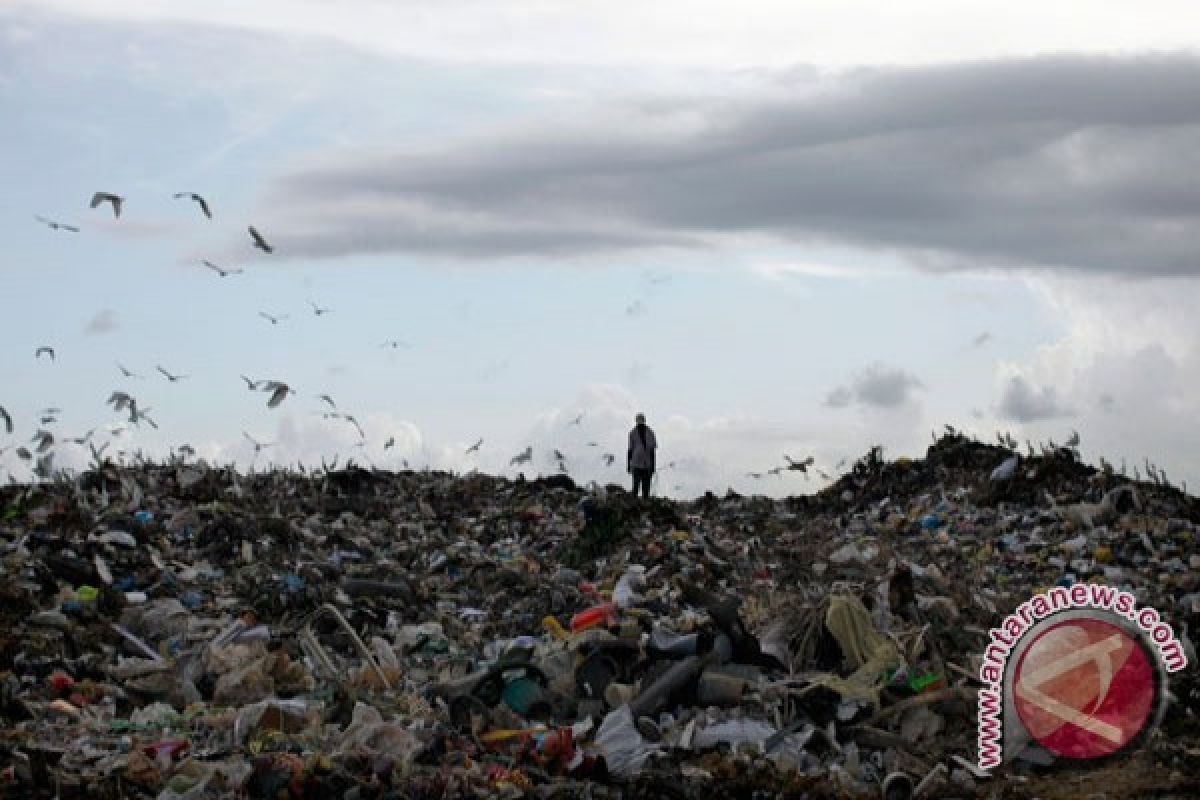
<point x="180" y="630"/>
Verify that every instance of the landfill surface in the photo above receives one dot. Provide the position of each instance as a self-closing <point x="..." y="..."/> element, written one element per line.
<point x="178" y="630"/>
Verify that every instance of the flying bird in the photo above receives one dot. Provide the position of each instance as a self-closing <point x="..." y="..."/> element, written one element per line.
<point x="121" y="401"/>
<point x="45" y="440"/>
<point x="394" y="344"/>
<point x="187" y="450"/>
<point x="776" y="471"/>
<point x="390" y="443"/>
<point x="523" y="457"/>
<point x="108" y="197"/>
<point x="755" y="475"/>
<point x="43" y="349"/>
<point x="558" y="456"/>
<point x="609" y="458"/>
<point x="81" y="440"/>
<point x="318" y="310"/>
<point x="8" y="426"/>
<point x="128" y="373"/>
<point x="279" y="392"/>
<point x="802" y="466"/>
<point x="258" y="446"/>
<point x="169" y="376"/>
<point x="353" y="421"/>
<point x="56" y="226"/>
<point x="329" y="400"/>
<point x="475" y="447"/>
<point x="140" y="415"/>
<point x="578" y="420"/>
<point x="259" y="241"/>
<point x="981" y="339"/>
<point x="199" y="201"/>
<point x="272" y="319"/>
<point x="222" y="271"/>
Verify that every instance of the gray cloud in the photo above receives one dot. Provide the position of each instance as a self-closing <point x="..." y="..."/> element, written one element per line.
<point x="105" y="321"/>
<point x="877" y="385"/>
<point x="1024" y="402"/>
<point x="839" y="397"/>
<point x="1072" y="162"/>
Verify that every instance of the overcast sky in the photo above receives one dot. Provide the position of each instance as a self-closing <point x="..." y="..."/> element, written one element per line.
<point x="780" y="228"/>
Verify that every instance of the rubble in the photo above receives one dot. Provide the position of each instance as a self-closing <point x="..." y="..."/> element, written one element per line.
<point x="182" y="631"/>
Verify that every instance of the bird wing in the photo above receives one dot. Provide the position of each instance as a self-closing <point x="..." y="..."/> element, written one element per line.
<point x="213" y="266"/>
<point x="98" y="198"/>
<point x="70" y="228"/>
<point x="8" y="426"/>
<point x="203" y="205"/>
<point x="278" y="396"/>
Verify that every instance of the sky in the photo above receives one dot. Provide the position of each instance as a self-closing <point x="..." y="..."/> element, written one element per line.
<point x="778" y="229"/>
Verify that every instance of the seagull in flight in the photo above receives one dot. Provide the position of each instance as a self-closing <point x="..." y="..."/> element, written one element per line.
<point x="169" y="376"/>
<point x="44" y="349"/>
<point x="279" y="392"/>
<point x="199" y="201"/>
<point x="144" y="414"/>
<point x="45" y="440"/>
<point x="558" y="456"/>
<point x="222" y="271"/>
<point x="329" y="400"/>
<point x="390" y="443"/>
<point x="259" y="241"/>
<point x="395" y="344"/>
<point x="578" y="420"/>
<point x="802" y="466"/>
<point x="81" y="440"/>
<point x="523" y="457"/>
<point x="475" y="447"/>
<point x="755" y="475"/>
<point x="258" y="446"/>
<point x="8" y="426"/>
<point x="776" y="471"/>
<point x="272" y="319"/>
<point x="353" y="421"/>
<point x="128" y="373"/>
<point x="108" y="197"/>
<point x="318" y="310"/>
<point x="55" y="226"/>
<point x="609" y="458"/>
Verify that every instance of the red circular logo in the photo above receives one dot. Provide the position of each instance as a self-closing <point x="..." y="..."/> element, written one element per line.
<point x="1084" y="688"/>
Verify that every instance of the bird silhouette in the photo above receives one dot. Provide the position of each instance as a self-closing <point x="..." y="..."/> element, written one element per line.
<point x="524" y="457"/>
<point x="394" y="344"/>
<point x="8" y="426"/>
<point x="318" y="310"/>
<point x="609" y="458"/>
<point x="128" y="373"/>
<point x="272" y="319"/>
<point x="328" y="400"/>
<point x="354" y="421"/>
<point x="475" y="447"/>
<point x="279" y="392"/>
<point x="169" y="376"/>
<point x="45" y="440"/>
<point x="578" y="420"/>
<point x="259" y="241"/>
<point x="801" y="466"/>
<point x="108" y="197"/>
<point x="258" y="446"/>
<point x="44" y="349"/>
<point x="56" y="226"/>
<point x="755" y="475"/>
<point x="224" y="272"/>
<point x="390" y="443"/>
<point x="558" y="456"/>
<point x="199" y="201"/>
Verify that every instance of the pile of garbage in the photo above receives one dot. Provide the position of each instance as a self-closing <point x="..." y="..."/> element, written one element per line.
<point x="184" y="631"/>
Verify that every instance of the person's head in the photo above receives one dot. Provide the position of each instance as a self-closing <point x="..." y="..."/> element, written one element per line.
<point x="640" y="419"/>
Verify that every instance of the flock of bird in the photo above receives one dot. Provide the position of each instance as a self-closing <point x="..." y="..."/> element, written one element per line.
<point x="277" y="391"/>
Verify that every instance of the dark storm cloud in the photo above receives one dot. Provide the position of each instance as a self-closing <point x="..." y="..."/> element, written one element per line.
<point x="877" y="385"/>
<point x="1024" y="402"/>
<point x="1066" y="162"/>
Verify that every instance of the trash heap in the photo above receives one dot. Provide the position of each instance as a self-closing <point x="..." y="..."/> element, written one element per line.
<point x="183" y="631"/>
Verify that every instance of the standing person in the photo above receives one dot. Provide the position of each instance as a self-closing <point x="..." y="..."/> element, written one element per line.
<point x="639" y="461"/>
